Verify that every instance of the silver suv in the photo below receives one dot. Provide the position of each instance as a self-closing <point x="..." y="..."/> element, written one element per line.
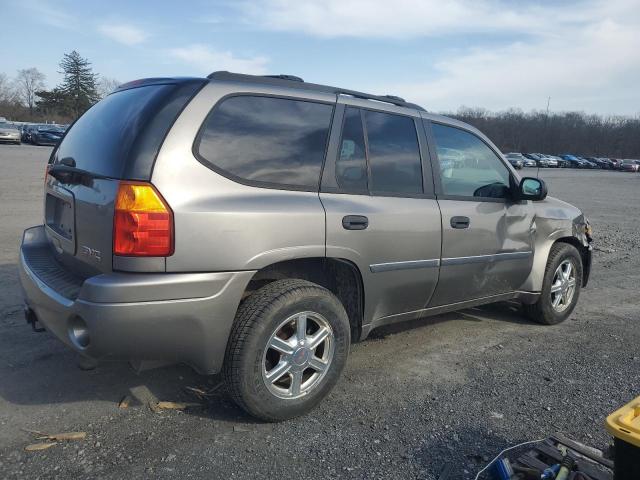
<point x="258" y="225"/>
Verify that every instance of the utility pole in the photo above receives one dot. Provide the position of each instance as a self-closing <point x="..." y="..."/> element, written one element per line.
<point x="545" y="142"/>
<point x="548" y="102"/>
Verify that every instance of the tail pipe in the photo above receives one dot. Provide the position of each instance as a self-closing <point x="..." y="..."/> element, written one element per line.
<point x="32" y="319"/>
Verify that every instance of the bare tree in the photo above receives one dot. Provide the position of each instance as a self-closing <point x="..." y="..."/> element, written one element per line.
<point x="107" y="85"/>
<point x="28" y="82"/>
<point x="7" y="93"/>
<point x="557" y="133"/>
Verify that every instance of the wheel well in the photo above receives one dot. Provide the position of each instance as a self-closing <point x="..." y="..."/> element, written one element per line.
<point x="340" y="277"/>
<point x="584" y="255"/>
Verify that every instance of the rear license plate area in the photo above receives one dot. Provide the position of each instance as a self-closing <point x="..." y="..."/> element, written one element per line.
<point x="59" y="215"/>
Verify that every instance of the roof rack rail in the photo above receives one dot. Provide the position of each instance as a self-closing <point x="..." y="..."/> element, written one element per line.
<point x="285" y="80"/>
<point x="282" y="76"/>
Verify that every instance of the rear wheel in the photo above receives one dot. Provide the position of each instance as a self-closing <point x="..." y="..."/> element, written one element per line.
<point x="287" y="348"/>
<point x="560" y="288"/>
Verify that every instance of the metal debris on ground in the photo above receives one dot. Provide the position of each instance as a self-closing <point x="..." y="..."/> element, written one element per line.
<point x="125" y="402"/>
<point x="172" y="406"/>
<point x="61" y="437"/>
<point x="52" y="439"/>
<point x="36" y="447"/>
<point x="203" y="393"/>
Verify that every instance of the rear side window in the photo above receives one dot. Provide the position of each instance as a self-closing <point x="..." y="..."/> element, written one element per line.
<point x="394" y="154"/>
<point x="266" y="141"/>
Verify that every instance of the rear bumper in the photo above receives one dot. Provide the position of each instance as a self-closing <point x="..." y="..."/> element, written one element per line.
<point x="167" y="317"/>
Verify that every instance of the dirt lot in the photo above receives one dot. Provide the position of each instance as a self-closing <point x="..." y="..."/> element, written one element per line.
<point x="452" y="389"/>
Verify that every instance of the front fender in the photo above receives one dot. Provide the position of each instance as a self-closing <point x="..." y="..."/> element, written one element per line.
<point x="555" y="222"/>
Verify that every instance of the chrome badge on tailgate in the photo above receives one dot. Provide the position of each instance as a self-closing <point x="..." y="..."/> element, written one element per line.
<point x="92" y="253"/>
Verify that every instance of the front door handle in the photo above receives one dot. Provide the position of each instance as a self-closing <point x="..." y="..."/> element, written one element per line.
<point x="460" y="222"/>
<point x="355" y="222"/>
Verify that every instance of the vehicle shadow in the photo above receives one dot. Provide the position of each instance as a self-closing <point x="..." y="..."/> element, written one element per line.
<point x="509" y="312"/>
<point x="36" y="369"/>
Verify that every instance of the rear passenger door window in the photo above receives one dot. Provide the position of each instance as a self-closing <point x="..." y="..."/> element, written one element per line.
<point x="378" y="154"/>
<point x="267" y="141"/>
<point x="394" y="154"/>
<point x="351" y="163"/>
<point x="468" y="167"/>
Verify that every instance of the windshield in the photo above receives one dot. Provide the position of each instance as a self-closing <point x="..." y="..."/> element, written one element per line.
<point x="8" y="126"/>
<point x="51" y="128"/>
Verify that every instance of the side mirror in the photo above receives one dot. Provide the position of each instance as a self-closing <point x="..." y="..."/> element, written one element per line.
<point x="532" y="189"/>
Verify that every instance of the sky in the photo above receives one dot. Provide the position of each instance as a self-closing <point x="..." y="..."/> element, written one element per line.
<point x="441" y="54"/>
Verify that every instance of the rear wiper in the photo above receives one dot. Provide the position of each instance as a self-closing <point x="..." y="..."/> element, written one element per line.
<point x="71" y="174"/>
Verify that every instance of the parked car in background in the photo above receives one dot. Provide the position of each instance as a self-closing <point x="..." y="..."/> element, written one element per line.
<point x="23" y="131"/>
<point x="10" y="133"/>
<point x="114" y="270"/>
<point x="606" y="163"/>
<point x="629" y="166"/>
<point x="538" y="158"/>
<point x="551" y="161"/>
<point x="589" y="163"/>
<point x="516" y="159"/>
<point x="47" y="135"/>
<point x="574" y="162"/>
<point x="615" y="162"/>
<point x="31" y="128"/>
<point x="561" y="163"/>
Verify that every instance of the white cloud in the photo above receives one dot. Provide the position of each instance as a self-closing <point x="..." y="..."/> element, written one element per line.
<point x="582" y="53"/>
<point x="48" y="14"/>
<point x="593" y="69"/>
<point x="207" y="60"/>
<point x="123" y="33"/>
<point x="407" y="18"/>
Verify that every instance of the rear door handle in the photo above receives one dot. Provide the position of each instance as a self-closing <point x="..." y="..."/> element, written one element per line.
<point x="460" y="222"/>
<point x="355" y="222"/>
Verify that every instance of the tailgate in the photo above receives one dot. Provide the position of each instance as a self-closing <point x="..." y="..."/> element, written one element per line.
<point x="79" y="223"/>
<point x="116" y="139"/>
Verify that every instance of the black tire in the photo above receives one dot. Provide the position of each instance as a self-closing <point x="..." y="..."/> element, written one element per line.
<point x="542" y="311"/>
<point x="258" y="317"/>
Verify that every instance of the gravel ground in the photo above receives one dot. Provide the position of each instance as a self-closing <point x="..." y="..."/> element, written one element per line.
<point x="414" y="398"/>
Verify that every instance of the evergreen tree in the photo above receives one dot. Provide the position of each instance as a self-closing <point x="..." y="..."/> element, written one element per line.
<point x="79" y="84"/>
<point x="54" y="103"/>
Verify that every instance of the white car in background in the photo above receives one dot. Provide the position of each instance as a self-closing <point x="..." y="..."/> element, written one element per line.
<point x="10" y="133"/>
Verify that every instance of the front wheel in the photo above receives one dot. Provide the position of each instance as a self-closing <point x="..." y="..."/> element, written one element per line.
<point x="560" y="288"/>
<point x="287" y="349"/>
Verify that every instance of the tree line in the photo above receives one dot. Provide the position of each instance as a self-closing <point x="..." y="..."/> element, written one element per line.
<point x="25" y="98"/>
<point x="557" y="133"/>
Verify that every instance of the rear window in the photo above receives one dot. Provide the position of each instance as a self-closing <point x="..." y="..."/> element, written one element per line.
<point x="120" y="136"/>
<point x="267" y="141"/>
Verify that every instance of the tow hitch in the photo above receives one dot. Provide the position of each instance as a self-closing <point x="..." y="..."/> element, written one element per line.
<point x="32" y="319"/>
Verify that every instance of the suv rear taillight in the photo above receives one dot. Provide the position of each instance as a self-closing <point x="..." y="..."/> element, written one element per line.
<point x="143" y="222"/>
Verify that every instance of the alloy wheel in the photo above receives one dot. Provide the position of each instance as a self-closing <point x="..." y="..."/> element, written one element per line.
<point x="563" y="286"/>
<point x="298" y="355"/>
